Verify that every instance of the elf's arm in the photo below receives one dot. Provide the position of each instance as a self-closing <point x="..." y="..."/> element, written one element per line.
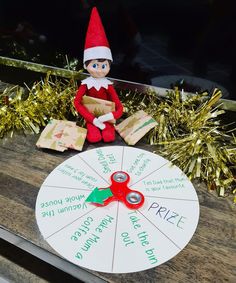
<point x="81" y="109"/>
<point x="114" y="97"/>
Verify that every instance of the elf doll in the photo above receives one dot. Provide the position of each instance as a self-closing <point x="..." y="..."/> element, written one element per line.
<point x="97" y="61"/>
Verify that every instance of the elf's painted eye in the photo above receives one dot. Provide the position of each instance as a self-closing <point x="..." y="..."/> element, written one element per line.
<point x="104" y="66"/>
<point x="95" y="66"/>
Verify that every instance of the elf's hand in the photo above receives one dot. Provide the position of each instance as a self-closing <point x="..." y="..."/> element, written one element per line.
<point x="106" y="117"/>
<point x="99" y="124"/>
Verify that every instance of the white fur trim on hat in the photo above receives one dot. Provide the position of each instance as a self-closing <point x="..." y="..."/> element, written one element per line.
<point x="98" y="52"/>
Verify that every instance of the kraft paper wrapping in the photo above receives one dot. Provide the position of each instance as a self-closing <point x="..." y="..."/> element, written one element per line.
<point x="98" y="106"/>
<point x="135" y="127"/>
<point x="60" y="135"/>
<point x="73" y="136"/>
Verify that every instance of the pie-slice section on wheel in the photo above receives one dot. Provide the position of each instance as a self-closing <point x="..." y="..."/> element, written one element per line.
<point x="139" y="245"/>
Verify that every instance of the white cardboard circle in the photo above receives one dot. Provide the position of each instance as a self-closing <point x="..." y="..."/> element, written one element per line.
<point x="113" y="238"/>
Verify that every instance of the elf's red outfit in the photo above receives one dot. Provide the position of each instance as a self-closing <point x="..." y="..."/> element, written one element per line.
<point x="107" y="92"/>
<point x="97" y="47"/>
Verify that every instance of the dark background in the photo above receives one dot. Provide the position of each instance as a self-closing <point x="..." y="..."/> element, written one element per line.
<point x="152" y="41"/>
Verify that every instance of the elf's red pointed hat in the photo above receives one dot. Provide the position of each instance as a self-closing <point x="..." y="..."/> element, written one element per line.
<point x="96" y="43"/>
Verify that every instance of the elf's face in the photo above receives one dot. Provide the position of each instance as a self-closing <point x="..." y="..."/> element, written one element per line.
<point x="98" y="69"/>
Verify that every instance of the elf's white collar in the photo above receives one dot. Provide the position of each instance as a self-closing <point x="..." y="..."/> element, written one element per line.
<point x="97" y="83"/>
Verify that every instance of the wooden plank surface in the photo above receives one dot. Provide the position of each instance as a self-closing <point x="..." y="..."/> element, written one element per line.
<point x="209" y="257"/>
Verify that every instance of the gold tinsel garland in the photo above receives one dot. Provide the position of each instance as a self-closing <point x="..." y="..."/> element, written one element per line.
<point x="191" y="135"/>
<point x="189" y="132"/>
<point x="28" y="109"/>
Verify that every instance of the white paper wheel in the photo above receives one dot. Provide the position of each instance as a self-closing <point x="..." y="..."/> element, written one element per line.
<point x="113" y="238"/>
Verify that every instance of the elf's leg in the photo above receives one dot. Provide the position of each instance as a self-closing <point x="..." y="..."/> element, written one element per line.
<point x="93" y="134"/>
<point x="108" y="134"/>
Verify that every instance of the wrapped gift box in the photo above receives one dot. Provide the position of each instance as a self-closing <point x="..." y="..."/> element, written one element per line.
<point x="73" y="136"/>
<point x="60" y="135"/>
<point x="98" y="106"/>
<point x="135" y="127"/>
